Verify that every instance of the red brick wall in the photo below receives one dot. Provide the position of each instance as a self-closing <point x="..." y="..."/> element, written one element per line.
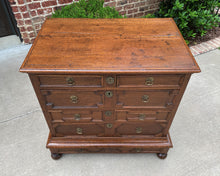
<point x="30" y="14"/>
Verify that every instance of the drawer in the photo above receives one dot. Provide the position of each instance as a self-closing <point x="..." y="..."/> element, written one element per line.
<point x="74" y="116"/>
<point x="150" y="81"/>
<point x="80" y="129"/>
<point x="145" y="98"/>
<point x="134" y="116"/>
<point x="70" y="81"/>
<point x="73" y="98"/>
<point x="146" y="127"/>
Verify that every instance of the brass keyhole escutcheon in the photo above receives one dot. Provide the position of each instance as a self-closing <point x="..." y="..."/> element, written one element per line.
<point x="142" y="116"/>
<point x="74" y="99"/>
<point x="149" y="81"/>
<point x="145" y="98"/>
<point x="138" y="130"/>
<point x="70" y="81"/>
<point x="110" y="80"/>
<point x="108" y="94"/>
<point x="109" y="125"/>
<point x="108" y="113"/>
<point x="77" y="116"/>
<point x="79" y="131"/>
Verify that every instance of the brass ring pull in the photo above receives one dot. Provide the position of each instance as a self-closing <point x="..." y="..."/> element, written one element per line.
<point x="110" y="80"/>
<point x="138" y="130"/>
<point x="74" y="99"/>
<point x="149" y="81"/>
<point x="145" y="98"/>
<point x="70" y="81"/>
<point x="79" y="131"/>
<point x="108" y="94"/>
<point x="142" y="116"/>
<point x="77" y="116"/>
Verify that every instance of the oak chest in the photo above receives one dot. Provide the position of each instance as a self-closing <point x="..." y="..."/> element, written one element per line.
<point x="109" y="85"/>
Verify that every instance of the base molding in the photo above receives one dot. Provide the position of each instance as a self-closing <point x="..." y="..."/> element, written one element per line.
<point x="159" y="145"/>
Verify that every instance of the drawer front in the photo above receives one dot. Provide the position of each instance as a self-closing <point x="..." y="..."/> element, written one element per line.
<point x="73" y="99"/>
<point x="79" y="129"/>
<point x="149" y="81"/>
<point x="147" y="127"/>
<point x="145" y="99"/>
<point x="75" y="116"/>
<point x="141" y="116"/>
<point x="70" y="81"/>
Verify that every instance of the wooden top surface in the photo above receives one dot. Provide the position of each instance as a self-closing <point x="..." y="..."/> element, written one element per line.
<point x="109" y="46"/>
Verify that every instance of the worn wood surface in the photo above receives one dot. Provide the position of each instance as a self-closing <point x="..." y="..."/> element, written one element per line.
<point x="109" y="46"/>
<point x="109" y="85"/>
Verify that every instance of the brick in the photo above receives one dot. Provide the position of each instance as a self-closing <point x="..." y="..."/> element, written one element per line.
<point x="49" y="3"/>
<point x="128" y="6"/>
<point x="28" y="22"/>
<point x="26" y="40"/>
<point x="37" y="20"/>
<point x="26" y="15"/>
<point x="118" y="8"/>
<point x="37" y="26"/>
<point x="20" y="22"/>
<point x="24" y="35"/>
<point x="32" y="34"/>
<point x="132" y="11"/>
<point x="30" y="28"/>
<point x="18" y="16"/>
<point x="20" y="1"/>
<point x="12" y="2"/>
<point x="64" y="1"/>
<point x="23" y="8"/>
<point x="139" y="4"/>
<point x="34" y="5"/>
<point x="131" y="1"/>
<point x="111" y="4"/>
<point x="140" y="14"/>
<point x="40" y="11"/>
<point x="33" y="13"/>
<point x="22" y="29"/>
<point x="122" y="12"/>
<point x="123" y="2"/>
<point x="129" y="16"/>
<point x="48" y="11"/>
<point x="32" y="40"/>
<point x="143" y="8"/>
<point x="14" y="9"/>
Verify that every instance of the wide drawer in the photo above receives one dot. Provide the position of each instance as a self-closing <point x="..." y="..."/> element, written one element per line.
<point x="81" y="129"/>
<point x="150" y="81"/>
<point x="145" y="98"/>
<point x="146" y="127"/>
<point x="73" y="98"/>
<point x="74" y="116"/>
<point x="70" y="81"/>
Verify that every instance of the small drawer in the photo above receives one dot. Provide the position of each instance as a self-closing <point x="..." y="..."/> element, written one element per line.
<point x="173" y="81"/>
<point x="70" y="81"/>
<point x="143" y="116"/>
<point x="147" y="127"/>
<point x="79" y="129"/>
<point x="145" y="99"/>
<point x="73" y="98"/>
<point x="74" y="116"/>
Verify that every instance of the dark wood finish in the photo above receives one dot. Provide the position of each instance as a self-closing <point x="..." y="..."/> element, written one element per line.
<point x="112" y="86"/>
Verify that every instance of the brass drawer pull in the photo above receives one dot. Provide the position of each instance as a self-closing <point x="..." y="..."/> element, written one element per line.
<point x="79" y="131"/>
<point x="149" y="81"/>
<point x="109" y="125"/>
<point x="110" y="80"/>
<point x="77" y="116"/>
<point x="145" y="98"/>
<point x="142" y="116"/>
<point x="74" y="99"/>
<point x="138" y="130"/>
<point x="108" y="94"/>
<point x="70" y="81"/>
<point x="108" y="113"/>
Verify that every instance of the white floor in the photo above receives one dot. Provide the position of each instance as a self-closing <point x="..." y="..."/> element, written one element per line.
<point x="9" y="41"/>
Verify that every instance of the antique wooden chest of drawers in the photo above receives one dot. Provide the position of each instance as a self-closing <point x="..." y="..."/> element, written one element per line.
<point x="109" y="85"/>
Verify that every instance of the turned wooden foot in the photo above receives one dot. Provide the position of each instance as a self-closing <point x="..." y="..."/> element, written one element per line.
<point x="56" y="156"/>
<point x="162" y="155"/>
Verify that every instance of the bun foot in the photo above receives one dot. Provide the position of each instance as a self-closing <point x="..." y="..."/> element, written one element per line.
<point x="56" y="156"/>
<point x="162" y="155"/>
